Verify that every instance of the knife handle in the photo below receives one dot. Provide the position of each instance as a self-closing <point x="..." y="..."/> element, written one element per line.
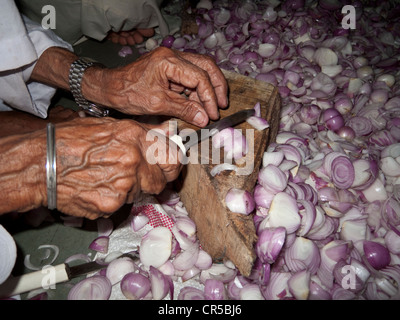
<point x="39" y="279"/>
<point x="179" y="142"/>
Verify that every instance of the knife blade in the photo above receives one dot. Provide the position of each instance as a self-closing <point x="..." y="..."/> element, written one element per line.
<point x="187" y="141"/>
<point x="50" y="276"/>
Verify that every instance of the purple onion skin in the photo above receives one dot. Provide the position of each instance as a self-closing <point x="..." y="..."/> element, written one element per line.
<point x="347" y="133"/>
<point x="214" y="290"/>
<point x="335" y="123"/>
<point x="333" y="119"/>
<point x="135" y="286"/>
<point x="270" y="243"/>
<point x="377" y="255"/>
<point x="168" y="41"/>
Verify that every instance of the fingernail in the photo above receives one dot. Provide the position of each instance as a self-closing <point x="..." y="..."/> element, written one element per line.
<point x="198" y="118"/>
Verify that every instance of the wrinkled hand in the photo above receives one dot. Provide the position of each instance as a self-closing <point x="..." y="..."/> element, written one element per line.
<point x="155" y="82"/>
<point x="102" y="164"/>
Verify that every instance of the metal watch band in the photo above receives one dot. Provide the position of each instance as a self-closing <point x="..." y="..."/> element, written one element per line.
<point x="51" y="176"/>
<point x="76" y="72"/>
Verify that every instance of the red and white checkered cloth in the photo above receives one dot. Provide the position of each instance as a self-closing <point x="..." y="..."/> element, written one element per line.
<point x="155" y="212"/>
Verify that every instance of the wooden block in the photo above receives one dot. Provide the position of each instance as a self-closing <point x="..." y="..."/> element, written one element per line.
<point x="223" y="234"/>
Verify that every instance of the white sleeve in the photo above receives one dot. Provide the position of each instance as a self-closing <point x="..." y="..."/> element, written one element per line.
<point x="21" y="43"/>
<point x="121" y="15"/>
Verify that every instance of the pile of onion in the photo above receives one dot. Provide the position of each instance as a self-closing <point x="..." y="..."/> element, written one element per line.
<point x="326" y="206"/>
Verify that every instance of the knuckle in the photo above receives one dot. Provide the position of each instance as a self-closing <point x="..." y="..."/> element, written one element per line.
<point x="163" y="51"/>
<point x="109" y="205"/>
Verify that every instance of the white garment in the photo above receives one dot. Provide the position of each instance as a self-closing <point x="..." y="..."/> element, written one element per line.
<point x="22" y="42"/>
<point x="95" y="19"/>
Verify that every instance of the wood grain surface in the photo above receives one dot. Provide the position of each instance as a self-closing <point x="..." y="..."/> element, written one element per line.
<point x="222" y="233"/>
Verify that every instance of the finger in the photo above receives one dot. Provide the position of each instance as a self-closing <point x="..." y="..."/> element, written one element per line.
<point x="114" y="38"/>
<point x="122" y="41"/>
<point x="138" y="38"/>
<point x="131" y="196"/>
<point x="176" y="87"/>
<point x="188" y="110"/>
<point x="152" y="179"/>
<point x="130" y="40"/>
<point x="216" y="76"/>
<point x="187" y="74"/>
<point x="146" y="32"/>
<point x="194" y="96"/>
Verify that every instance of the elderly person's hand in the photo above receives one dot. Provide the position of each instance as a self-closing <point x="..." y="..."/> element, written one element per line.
<point x="102" y="163"/>
<point x="162" y="82"/>
<point x="155" y="82"/>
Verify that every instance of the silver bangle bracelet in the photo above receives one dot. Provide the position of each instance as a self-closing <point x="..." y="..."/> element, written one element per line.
<point x="51" y="168"/>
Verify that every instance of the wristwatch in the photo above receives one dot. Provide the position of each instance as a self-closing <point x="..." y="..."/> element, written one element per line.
<point x="76" y="71"/>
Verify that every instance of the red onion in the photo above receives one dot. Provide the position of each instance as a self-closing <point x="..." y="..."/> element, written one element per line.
<point x="155" y="247"/>
<point x="214" y="290"/>
<point x="239" y="201"/>
<point x="378" y="256"/>
<point x="331" y="254"/>
<point x="118" y="268"/>
<point x="317" y="292"/>
<point x="219" y="272"/>
<point x="139" y="221"/>
<point x="258" y="123"/>
<point x="346" y="132"/>
<point x="272" y="179"/>
<point x="333" y="179"/>
<point x="8" y="254"/>
<point x="357" y="275"/>
<point x="262" y="197"/>
<point x="251" y="292"/>
<point x="186" y="259"/>
<point x="160" y="284"/>
<point x="100" y="244"/>
<point x="322" y="86"/>
<point x="277" y="287"/>
<point x="269" y="244"/>
<point x="135" y="286"/>
<point x="191" y="293"/>
<point x="233" y="142"/>
<point x="325" y="57"/>
<point x="303" y="254"/>
<point x="333" y="119"/>
<point x="168" y="41"/>
<point x="125" y="51"/>
<point x="299" y="285"/>
<point x="392" y="241"/>
<point x="283" y="212"/>
<point x="204" y="260"/>
<point x="361" y="125"/>
<point x="342" y="172"/>
<point x="92" y="288"/>
<point x="104" y="226"/>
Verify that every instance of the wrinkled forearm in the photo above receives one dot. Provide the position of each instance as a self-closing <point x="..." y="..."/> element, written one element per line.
<point x="22" y="171"/>
<point x="53" y="67"/>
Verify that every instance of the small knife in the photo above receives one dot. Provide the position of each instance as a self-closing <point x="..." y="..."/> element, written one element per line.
<point x="197" y="136"/>
<point x="48" y="277"/>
